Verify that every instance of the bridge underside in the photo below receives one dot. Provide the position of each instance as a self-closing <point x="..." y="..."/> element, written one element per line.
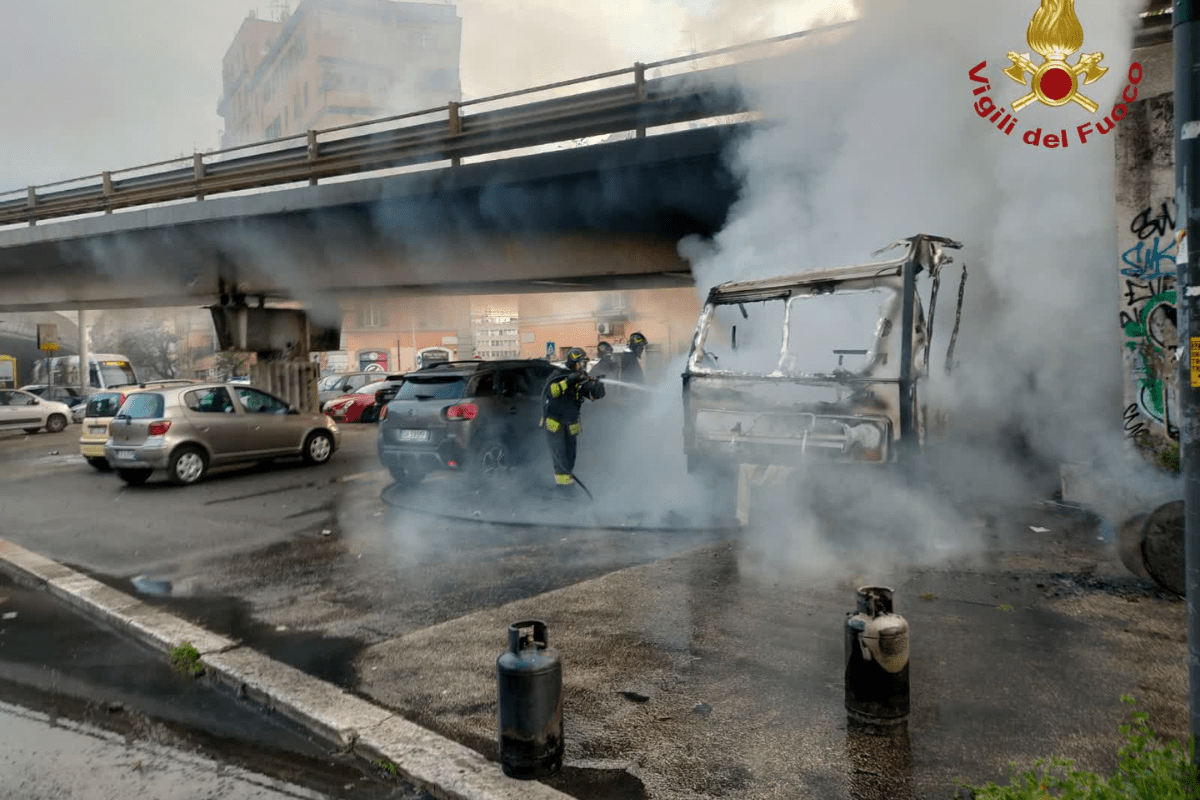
<point x="603" y="216"/>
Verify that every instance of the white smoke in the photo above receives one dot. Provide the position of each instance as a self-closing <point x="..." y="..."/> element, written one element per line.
<point x="874" y="137"/>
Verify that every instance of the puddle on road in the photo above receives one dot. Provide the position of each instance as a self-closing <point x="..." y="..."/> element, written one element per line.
<point x="329" y="658"/>
<point x="61" y="665"/>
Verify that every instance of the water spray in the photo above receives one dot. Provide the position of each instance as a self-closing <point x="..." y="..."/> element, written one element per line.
<point x="627" y="385"/>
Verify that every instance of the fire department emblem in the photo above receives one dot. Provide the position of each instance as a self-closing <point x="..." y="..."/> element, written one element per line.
<point x="1055" y="34"/>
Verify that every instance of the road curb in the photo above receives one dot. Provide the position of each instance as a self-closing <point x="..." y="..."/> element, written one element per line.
<point x="441" y="766"/>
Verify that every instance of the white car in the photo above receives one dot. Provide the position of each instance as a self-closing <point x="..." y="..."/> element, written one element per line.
<point x="30" y="413"/>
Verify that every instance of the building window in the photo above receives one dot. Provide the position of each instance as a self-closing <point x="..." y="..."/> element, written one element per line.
<point x="372" y="315"/>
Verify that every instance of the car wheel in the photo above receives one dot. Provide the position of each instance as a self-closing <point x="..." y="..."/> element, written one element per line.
<point x="134" y="477"/>
<point x="56" y="423"/>
<point x="100" y="464"/>
<point x="492" y="460"/>
<point x="405" y="478"/>
<point x="318" y="447"/>
<point x="188" y="465"/>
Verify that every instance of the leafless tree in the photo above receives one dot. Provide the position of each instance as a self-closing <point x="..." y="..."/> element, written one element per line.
<point x="151" y="345"/>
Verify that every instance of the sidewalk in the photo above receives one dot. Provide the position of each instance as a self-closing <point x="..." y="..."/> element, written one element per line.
<point x="704" y="679"/>
<point x="704" y="675"/>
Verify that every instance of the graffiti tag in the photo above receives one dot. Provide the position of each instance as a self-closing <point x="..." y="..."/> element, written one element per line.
<point x="1149" y="322"/>
<point x="1144" y="226"/>
<point x="1147" y="262"/>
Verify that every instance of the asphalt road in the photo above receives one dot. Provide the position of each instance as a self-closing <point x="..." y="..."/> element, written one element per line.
<point x="313" y="550"/>
<point x="1024" y="640"/>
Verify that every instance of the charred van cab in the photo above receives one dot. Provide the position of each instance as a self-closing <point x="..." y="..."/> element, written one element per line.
<point x="827" y="364"/>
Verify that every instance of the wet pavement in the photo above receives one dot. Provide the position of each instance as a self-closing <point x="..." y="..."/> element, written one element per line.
<point x="716" y="674"/>
<point x="101" y="715"/>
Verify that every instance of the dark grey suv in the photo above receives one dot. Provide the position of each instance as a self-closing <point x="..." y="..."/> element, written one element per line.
<point x="479" y="417"/>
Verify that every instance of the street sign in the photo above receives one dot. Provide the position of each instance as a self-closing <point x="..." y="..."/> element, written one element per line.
<point x="47" y="333"/>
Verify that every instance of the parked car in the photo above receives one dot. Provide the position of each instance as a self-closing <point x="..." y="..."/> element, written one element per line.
<point x="21" y="410"/>
<point x="364" y="405"/>
<point x="66" y="395"/>
<point x="334" y="386"/>
<point x="475" y="416"/>
<point x="99" y="410"/>
<point x="187" y="429"/>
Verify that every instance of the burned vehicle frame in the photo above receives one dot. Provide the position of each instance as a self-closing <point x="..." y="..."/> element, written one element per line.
<point x="780" y="411"/>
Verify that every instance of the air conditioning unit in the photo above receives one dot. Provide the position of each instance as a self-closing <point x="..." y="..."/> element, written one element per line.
<point x="604" y="328"/>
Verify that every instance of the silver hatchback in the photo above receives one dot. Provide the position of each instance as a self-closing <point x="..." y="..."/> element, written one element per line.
<point x="186" y="430"/>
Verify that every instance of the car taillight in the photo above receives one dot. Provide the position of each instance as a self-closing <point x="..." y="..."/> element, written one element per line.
<point x="383" y="413"/>
<point x="462" y="411"/>
<point x="159" y="428"/>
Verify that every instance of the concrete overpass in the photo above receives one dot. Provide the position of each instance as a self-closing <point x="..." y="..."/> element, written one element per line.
<point x="606" y="215"/>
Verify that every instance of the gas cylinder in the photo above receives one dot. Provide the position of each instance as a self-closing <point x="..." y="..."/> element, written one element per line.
<point x="877" y="690"/>
<point x="529" y="682"/>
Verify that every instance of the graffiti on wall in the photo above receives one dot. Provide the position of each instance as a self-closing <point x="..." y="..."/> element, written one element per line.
<point x="1148" y="322"/>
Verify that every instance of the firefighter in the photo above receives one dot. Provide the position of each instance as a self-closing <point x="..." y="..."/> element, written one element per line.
<point x="562" y="400"/>
<point x="608" y="365"/>
<point x="631" y="370"/>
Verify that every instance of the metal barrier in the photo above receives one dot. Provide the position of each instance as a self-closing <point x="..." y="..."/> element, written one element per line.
<point x="314" y="155"/>
<point x="294" y="382"/>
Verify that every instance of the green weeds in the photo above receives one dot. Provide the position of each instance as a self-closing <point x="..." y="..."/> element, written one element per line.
<point x="185" y="659"/>
<point x="1149" y="769"/>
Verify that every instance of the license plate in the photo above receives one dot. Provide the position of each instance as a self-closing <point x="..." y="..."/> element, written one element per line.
<point x="413" y="436"/>
<point x="126" y="455"/>
<point x="97" y="431"/>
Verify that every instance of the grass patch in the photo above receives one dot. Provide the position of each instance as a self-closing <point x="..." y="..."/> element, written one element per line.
<point x="386" y="767"/>
<point x="1005" y="607"/>
<point x="185" y="659"/>
<point x="927" y="595"/>
<point x="1149" y="769"/>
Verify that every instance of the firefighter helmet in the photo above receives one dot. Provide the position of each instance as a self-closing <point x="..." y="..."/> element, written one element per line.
<point x="637" y="341"/>
<point x="575" y="357"/>
<point x="604" y="349"/>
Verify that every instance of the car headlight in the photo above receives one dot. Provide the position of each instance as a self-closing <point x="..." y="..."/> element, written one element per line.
<point x="867" y="436"/>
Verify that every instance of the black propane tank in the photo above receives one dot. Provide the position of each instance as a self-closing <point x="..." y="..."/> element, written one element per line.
<point x="877" y="691"/>
<point x="529" y="681"/>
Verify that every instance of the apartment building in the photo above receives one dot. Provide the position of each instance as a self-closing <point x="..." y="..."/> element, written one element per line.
<point x="335" y="62"/>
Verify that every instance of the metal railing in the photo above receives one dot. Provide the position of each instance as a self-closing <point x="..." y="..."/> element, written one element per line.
<point x="450" y="137"/>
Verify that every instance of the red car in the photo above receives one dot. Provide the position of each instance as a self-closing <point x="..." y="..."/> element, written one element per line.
<point x="365" y="403"/>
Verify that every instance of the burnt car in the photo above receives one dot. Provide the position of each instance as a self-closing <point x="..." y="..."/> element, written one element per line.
<point x="828" y="364"/>
<point x="478" y="417"/>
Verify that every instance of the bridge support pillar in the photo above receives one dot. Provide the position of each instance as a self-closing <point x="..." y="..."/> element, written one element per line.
<point x="283" y="338"/>
<point x="292" y="379"/>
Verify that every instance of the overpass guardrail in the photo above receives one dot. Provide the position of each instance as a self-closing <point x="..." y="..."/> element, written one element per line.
<point x="450" y="135"/>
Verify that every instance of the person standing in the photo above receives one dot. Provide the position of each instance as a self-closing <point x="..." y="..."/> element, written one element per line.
<point x="631" y="368"/>
<point x="607" y="366"/>
<point x="562" y="404"/>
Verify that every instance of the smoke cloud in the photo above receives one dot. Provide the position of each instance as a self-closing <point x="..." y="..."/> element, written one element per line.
<point x="875" y="137"/>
